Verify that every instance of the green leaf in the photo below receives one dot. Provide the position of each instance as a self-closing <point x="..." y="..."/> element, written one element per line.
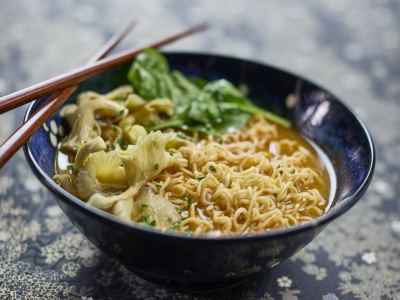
<point x="145" y="218"/>
<point x="143" y="206"/>
<point x="73" y="169"/>
<point x="218" y="107"/>
<point x="120" y="113"/>
<point x="121" y="143"/>
<point x="199" y="81"/>
<point x="151" y="78"/>
<point x="179" y="209"/>
<point x="189" y="202"/>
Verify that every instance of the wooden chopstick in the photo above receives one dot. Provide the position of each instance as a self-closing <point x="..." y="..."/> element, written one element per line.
<point x="26" y="130"/>
<point x="18" y="98"/>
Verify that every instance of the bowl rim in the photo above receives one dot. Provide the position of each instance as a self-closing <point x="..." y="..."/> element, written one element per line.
<point x="282" y="232"/>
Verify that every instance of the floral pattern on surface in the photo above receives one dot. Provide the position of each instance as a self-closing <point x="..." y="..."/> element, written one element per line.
<point x="351" y="47"/>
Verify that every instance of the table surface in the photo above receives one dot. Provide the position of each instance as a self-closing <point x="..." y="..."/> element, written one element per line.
<point x="352" y="48"/>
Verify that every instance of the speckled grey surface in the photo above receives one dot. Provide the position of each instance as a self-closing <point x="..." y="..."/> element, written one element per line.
<point x="352" y="48"/>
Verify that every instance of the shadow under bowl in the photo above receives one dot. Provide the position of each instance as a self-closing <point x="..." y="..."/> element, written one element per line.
<point x="196" y="264"/>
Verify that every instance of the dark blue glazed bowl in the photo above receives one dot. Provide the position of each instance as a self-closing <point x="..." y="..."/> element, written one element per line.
<point x="188" y="263"/>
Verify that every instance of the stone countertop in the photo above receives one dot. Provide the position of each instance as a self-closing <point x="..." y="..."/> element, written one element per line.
<point x="352" y="48"/>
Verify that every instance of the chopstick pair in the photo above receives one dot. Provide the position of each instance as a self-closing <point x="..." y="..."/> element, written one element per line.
<point x="66" y="84"/>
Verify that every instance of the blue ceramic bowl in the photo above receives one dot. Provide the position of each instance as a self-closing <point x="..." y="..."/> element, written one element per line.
<point x="188" y="263"/>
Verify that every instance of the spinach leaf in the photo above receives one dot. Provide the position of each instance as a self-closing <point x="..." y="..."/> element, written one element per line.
<point x="219" y="108"/>
<point x="152" y="78"/>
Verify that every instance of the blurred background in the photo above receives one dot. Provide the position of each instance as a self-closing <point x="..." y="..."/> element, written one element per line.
<point x="351" y="48"/>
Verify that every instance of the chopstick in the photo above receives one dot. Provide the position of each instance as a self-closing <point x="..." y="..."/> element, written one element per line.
<point x="76" y="76"/>
<point x="26" y="130"/>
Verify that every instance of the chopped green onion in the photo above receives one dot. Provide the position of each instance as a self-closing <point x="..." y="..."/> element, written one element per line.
<point x="212" y="168"/>
<point x="191" y="165"/>
<point x="145" y="218"/>
<point x="171" y="153"/>
<point x="179" y="209"/>
<point x="184" y="196"/>
<point x="189" y="231"/>
<point x="120" y="113"/>
<point x="201" y="177"/>
<point x="73" y="169"/>
<point x="156" y="166"/>
<point x="158" y="185"/>
<point x="220" y="141"/>
<point x="122" y="144"/>
<point x="189" y="202"/>
<point x="184" y="137"/>
<point x="153" y="223"/>
<point x="143" y="206"/>
<point x="294" y="171"/>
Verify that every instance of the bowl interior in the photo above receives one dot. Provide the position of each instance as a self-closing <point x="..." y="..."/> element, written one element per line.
<point x="317" y="114"/>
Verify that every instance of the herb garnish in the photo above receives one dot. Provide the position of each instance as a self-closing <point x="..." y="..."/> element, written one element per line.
<point x="179" y="209"/>
<point x="201" y="177"/>
<point x="158" y="185"/>
<point x="294" y="171"/>
<point x="187" y="199"/>
<point x="184" y="137"/>
<point x="153" y="223"/>
<point x="219" y="108"/>
<point x="156" y="166"/>
<point x="171" y="154"/>
<point x="177" y="223"/>
<point x="223" y="180"/>
<point x="191" y="165"/>
<point x="143" y="206"/>
<point x="212" y="168"/>
<point x="189" y="202"/>
<point x="122" y="144"/>
<point x="107" y="146"/>
<point x="114" y="128"/>
<point x="73" y="169"/>
<point x="145" y="218"/>
<point x="120" y="113"/>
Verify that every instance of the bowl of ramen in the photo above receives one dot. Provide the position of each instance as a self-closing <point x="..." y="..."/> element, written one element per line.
<point x="195" y="171"/>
